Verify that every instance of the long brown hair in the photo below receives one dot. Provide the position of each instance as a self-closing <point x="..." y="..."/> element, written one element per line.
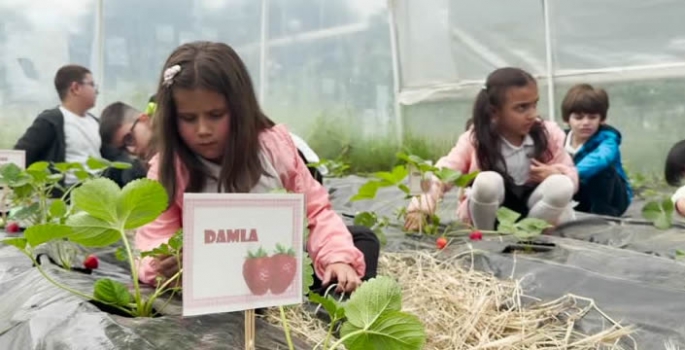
<point x="486" y="136"/>
<point x="215" y="67"/>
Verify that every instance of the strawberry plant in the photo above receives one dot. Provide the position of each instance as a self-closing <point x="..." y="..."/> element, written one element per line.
<point x="420" y="173"/>
<point x="372" y="318"/>
<point x="31" y="192"/>
<point x="659" y="213"/>
<point x="32" y="189"/>
<point x="101" y="214"/>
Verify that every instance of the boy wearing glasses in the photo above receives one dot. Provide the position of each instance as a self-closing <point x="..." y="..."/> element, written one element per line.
<point x="67" y="133"/>
<point x="126" y="137"/>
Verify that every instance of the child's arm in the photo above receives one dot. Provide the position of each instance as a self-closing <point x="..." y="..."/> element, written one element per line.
<point x="156" y="233"/>
<point x="329" y="240"/>
<point x="599" y="159"/>
<point x="678" y="199"/>
<point x="561" y="160"/>
<point x="458" y="160"/>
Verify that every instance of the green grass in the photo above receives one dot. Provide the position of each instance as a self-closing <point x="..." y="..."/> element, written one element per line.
<point x="339" y="139"/>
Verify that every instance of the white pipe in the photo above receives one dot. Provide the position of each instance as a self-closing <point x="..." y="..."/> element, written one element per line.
<point x="100" y="44"/>
<point x="263" y="52"/>
<point x="397" y="82"/>
<point x="550" y="61"/>
<point x="450" y="91"/>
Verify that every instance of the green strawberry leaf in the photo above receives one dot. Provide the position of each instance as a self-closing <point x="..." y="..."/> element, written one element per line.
<point x="365" y="218"/>
<point x="367" y="191"/>
<point x="331" y="306"/>
<point x="659" y="213"/>
<point x="112" y="292"/>
<point x="371" y="299"/>
<point x="141" y="202"/>
<point x="58" y="208"/>
<point x="96" y="197"/>
<point x="506" y="215"/>
<point x="307" y="273"/>
<point x="18" y="242"/>
<point x="90" y="231"/>
<point x="41" y="233"/>
<point x="97" y="164"/>
<point x="391" y="330"/>
<point x="120" y="254"/>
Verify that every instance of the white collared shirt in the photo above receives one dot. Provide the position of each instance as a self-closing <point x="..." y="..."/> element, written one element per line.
<point x="517" y="159"/>
<point x="569" y="145"/>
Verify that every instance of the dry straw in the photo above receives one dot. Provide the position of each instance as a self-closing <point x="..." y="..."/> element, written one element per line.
<point x="462" y="308"/>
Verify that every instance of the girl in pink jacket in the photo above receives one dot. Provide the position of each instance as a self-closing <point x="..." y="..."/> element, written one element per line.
<point x="213" y="137"/>
<point x="521" y="158"/>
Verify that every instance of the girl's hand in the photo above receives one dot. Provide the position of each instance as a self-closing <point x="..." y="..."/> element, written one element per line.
<point x="414" y="220"/>
<point x="166" y="266"/>
<point x="680" y="206"/>
<point x="540" y="171"/>
<point x="344" y="274"/>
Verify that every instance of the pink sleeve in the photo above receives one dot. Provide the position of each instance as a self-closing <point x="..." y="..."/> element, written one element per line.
<point x="329" y="240"/>
<point x="560" y="158"/>
<point x="156" y="233"/>
<point x="458" y="159"/>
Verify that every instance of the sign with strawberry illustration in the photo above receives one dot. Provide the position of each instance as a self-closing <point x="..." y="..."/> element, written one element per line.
<point x="241" y="251"/>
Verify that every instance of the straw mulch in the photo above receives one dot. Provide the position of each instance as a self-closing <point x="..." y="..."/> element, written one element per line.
<point x="465" y="309"/>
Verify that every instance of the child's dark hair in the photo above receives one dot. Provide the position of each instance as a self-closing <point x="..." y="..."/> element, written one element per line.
<point x="675" y="164"/>
<point x="486" y="136"/>
<point x="215" y="67"/>
<point x="113" y="117"/>
<point x="585" y="99"/>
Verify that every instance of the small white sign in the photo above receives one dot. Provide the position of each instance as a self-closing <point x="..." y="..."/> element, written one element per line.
<point x="18" y="157"/>
<point x="415" y="178"/>
<point x="230" y="257"/>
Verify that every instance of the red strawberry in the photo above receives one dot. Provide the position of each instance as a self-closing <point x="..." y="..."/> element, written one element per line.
<point x="91" y="262"/>
<point x="476" y="236"/>
<point x="441" y="242"/>
<point x="283" y="269"/>
<point x="12" y="227"/>
<point x="256" y="272"/>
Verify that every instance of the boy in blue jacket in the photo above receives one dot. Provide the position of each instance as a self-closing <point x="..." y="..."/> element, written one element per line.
<point x="595" y="149"/>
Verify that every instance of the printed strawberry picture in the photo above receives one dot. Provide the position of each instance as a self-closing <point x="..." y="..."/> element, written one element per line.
<point x="257" y="272"/>
<point x="283" y="269"/>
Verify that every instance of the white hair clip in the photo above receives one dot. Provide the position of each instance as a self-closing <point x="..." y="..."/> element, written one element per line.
<point x="169" y="75"/>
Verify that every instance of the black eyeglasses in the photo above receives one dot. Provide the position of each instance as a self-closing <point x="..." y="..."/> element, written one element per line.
<point x="129" y="139"/>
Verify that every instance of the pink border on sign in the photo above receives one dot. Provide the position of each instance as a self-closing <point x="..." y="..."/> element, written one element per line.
<point x="189" y="213"/>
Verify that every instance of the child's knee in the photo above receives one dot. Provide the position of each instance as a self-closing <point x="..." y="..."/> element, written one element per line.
<point x="488" y="187"/>
<point x="558" y="190"/>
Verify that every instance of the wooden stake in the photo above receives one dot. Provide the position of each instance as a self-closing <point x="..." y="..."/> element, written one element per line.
<point x="249" y="329"/>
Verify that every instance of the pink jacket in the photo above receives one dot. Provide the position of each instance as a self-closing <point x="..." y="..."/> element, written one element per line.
<point x="329" y="240"/>
<point x="463" y="158"/>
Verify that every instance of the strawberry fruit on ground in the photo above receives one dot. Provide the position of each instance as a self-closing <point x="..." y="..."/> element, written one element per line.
<point x="476" y="236"/>
<point x="12" y="227"/>
<point x="441" y="242"/>
<point x="91" y="262"/>
<point x="256" y="272"/>
<point x="283" y="269"/>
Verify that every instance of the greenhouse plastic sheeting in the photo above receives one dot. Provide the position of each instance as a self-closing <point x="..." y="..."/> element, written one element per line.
<point x="642" y="290"/>
<point x="36" y="315"/>
<point x="469" y="39"/>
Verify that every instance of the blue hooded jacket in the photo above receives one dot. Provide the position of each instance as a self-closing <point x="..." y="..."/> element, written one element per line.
<point x="600" y="152"/>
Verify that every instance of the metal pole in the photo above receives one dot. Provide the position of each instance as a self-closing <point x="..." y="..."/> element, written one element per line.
<point x="397" y="82"/>
<point x="550" y="61"/>
<point x="263" y="52"/>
